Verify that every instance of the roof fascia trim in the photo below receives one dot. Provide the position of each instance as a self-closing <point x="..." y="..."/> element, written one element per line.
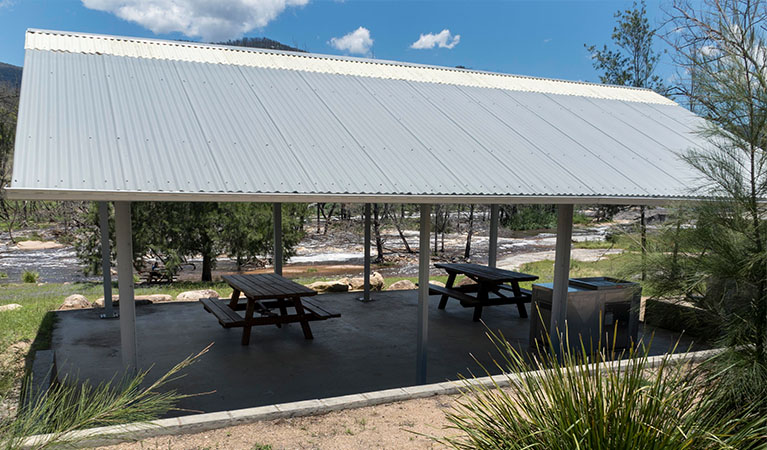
<point x="88" y="195"/>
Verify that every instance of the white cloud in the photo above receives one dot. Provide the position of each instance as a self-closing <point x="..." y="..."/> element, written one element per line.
<point x="443" y="39"/>
<point x="209" y="20"/>
<point x="357" y="42"/>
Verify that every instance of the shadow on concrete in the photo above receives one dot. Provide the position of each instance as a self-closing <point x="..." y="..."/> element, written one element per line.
<point x="372" y="346"/>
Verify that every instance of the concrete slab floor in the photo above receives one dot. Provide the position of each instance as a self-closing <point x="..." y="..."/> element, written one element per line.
<point x="370" y="347"/>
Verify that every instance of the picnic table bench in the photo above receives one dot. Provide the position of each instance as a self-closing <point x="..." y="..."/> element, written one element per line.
<point x="490" y="288"/>
<point x="265" y="293"/>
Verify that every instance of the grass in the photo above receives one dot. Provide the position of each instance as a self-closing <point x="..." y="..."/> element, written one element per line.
<point x="30" y="276"/>
<point x="619" y="266"/>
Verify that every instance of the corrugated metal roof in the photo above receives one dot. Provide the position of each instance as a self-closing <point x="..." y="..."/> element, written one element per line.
<point x="119" y="118"/>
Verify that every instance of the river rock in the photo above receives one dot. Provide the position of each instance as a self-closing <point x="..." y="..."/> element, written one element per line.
<point x="196" y="295"/>
<point x="330" y="286"/>
<point x="358" y="283"/>
<point x="9" y="307"/>
<point x="38" y="245"/>
<point x="402" y="285"/>
<point x="75" y="301"/>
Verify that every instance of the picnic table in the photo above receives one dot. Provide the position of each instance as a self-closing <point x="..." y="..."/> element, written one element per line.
<point x="490" y="288"/>
<point x="265" y="293"/>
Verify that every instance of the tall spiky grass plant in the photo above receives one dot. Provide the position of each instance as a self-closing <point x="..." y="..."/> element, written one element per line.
<point x="593" y="400"/>
<point x="68" y="407"/>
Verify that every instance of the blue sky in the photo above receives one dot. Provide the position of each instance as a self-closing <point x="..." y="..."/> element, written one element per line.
<point x="538" y="38"/>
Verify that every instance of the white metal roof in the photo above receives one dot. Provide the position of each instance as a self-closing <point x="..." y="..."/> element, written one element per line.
<point x="113" y="118"/>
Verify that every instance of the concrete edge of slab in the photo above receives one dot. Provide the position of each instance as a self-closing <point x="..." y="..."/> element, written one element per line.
<point x="210" y="421"/>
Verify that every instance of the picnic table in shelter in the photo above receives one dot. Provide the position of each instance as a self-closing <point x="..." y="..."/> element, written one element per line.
<point x="268" y="295"/>
<point x="491" y="288"/>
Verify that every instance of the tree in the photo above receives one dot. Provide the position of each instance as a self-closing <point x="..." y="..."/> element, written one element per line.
<point x="469" y="232"/>
<point x="174" y="232"/>
<point x="724" y="44"/>
<point x="634" y="60"/>
<point x="633" y="63"/>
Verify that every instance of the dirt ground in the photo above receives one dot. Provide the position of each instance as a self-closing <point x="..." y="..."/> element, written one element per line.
<point x="391" y="426"/>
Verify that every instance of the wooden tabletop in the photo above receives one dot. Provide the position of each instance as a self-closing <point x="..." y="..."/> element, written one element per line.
<point x="267" y="286"/>
<point x="492" y="274"/>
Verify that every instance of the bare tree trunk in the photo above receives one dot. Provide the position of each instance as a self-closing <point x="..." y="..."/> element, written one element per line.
<point x="377" y="233"/>
<point x="436" y="226"/>
<point x="643" y="239"/>
<point x="207" y="267"/>
<point x="328" y="216"/>
<point x="318" y="218"/>
<point x="469" y="232"/>
<point x="398" y="225"/>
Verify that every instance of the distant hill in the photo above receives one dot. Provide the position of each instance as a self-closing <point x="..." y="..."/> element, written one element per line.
<point x="10" y="74"/>
<point x="260" y="43"/>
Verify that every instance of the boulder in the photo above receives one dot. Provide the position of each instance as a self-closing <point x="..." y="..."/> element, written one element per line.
<point x="402" y="285"/>
<point x="358" y="283"/>
<point x="465" y="282"/>
<point x="140" y="300"/>
<point x="437" y="283"/>
<point x="376" y="281"/>
<point x="196" y="295"/>
<point x="9" y="307"/>
<point x="154" y="298"/>
<point x="329" y="286"/>
<point x="75" y="301"/>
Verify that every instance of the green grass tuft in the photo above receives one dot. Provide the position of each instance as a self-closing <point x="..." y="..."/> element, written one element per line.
<point x="30" y="276"/>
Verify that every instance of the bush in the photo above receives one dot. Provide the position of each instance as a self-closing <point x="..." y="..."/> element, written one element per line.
<point x="30" y="276"/>
<point x="67" y="407"/>
<point x="529" y="217"/>
<point x="589" y="403"/>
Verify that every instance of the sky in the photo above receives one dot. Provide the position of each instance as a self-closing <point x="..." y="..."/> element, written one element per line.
<point x="538" y="38"/>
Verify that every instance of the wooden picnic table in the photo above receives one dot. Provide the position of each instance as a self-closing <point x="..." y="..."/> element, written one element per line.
<point x="265" y="293"/>
<point x="490" y="288"/>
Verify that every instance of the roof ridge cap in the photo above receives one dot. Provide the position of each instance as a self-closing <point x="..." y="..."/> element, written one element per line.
<point x="320" y="56"/>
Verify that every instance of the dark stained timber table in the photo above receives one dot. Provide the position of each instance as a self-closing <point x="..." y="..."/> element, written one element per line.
<point x="491" y="288"/>
<point x="265" y="293"/>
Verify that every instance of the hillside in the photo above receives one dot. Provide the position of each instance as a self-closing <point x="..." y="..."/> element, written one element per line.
<point x="260" y="43"/>
<point x="10" y="74"/>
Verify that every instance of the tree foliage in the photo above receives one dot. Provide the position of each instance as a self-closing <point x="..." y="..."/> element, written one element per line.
<point x="175" y="232"/>
<point x="633" y="60"/>
<point x="724" y="271"/>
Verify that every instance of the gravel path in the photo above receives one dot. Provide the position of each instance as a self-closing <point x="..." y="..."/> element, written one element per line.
<point x="389" y="426"/>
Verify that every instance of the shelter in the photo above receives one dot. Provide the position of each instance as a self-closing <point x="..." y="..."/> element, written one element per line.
<point x="119" y="119"/>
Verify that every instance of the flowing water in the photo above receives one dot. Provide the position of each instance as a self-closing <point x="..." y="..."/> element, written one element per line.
<point x="61" y="265"/>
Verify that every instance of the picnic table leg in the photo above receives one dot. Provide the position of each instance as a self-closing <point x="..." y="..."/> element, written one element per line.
<point x="283" y="310"/>
<point x="482" y="297"/>
<point x="235" y="299"/>
<point x="304" y="323"/>
<point x="520" y="305"/>
<point x="449" y="285"/>
<point x="248" y="320"/>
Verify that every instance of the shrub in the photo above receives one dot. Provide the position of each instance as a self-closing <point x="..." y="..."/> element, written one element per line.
<point x="67" y="407"/>
<point x="588" y="402"/>
<point x="30" y="276"/>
